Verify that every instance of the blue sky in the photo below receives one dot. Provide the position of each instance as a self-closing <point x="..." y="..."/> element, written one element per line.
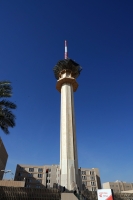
<point x="100" y="39"/>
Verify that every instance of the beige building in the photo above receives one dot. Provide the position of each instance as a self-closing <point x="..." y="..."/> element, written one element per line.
<point x="118" y="186"/>
<point x="38" y="176"/>
<point x="49" y="176"/>
<point x="3" y="158"/>
<point x="90" y="179"/>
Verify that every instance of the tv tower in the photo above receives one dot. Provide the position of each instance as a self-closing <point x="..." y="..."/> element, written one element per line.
<point x="66" y="71"/>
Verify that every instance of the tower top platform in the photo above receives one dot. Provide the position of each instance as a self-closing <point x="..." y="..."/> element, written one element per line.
<point x="67" y="64"/>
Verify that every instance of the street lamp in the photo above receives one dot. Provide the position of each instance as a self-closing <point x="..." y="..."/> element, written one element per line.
<point x="12" y="175"/>
<point x="5" y="171"/>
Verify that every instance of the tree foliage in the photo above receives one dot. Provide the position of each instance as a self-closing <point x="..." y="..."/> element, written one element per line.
<point x="7" y="118"/>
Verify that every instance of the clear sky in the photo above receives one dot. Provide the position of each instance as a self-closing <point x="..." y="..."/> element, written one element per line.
<point x="100" y="39"/>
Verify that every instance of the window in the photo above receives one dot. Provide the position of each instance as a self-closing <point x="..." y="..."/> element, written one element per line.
<point x="30" y="175"/>
<point x="93" y="189"/>
<point x="37" y="186"/>
<point x="19" y="174"/>
<point x="49" y="181"/>
<point x="92" y="183"/>
<point x="21" y="168"/>
<point x="84" y="183"/>
<point x="40" y="170"/>
<point x="31" y="169"/>
<point x="92" y="178"/>
<point x="28" y="180"/>
<point x="27" y="185"/>
<point x="83" y="172"/>
<point x="39" y="175"/>
<point x="84" y="177"/>
<point x="39" y="180"/>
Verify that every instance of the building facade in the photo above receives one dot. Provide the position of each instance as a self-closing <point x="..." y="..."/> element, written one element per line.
<point x="49" y="176"/>
<point x="3" y="158"/>
<point x="118" y="186"/>
<point x="90" y="179"/>
<point x="38" y="176"/>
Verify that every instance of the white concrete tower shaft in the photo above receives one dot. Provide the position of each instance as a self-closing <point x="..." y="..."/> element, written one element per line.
<point x="66" y="72"/>
<point x="68" y="145"/>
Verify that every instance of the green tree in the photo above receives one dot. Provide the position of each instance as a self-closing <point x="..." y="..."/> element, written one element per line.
<point x="7" y="118"/>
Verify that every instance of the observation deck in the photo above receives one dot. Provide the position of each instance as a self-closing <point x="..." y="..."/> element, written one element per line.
<point x="69" y="65"/>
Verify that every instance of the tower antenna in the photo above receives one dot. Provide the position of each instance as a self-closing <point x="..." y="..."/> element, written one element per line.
<point x="66" y="53"/>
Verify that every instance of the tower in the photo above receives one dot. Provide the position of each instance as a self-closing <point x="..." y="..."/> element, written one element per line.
<point x="66" y="71"/>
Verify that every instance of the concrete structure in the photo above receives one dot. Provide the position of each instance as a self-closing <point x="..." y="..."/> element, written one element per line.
<point x="66" y="71"/>
<point x="118" y="186"/>
<point x="90" y="179"/>
<point x="3" y="158"/>
<point x="11" y="183"/>
<point x="38" y="176"/>
<point x="49" y="176"/>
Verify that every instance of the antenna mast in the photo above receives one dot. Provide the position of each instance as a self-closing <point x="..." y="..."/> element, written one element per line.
<point x="66" y="53"/>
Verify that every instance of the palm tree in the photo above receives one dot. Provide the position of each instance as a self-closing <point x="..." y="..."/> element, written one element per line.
<point x="7" y="118"/>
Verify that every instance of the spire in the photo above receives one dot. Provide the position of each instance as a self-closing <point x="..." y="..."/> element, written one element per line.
<point x="66" y="53"/>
